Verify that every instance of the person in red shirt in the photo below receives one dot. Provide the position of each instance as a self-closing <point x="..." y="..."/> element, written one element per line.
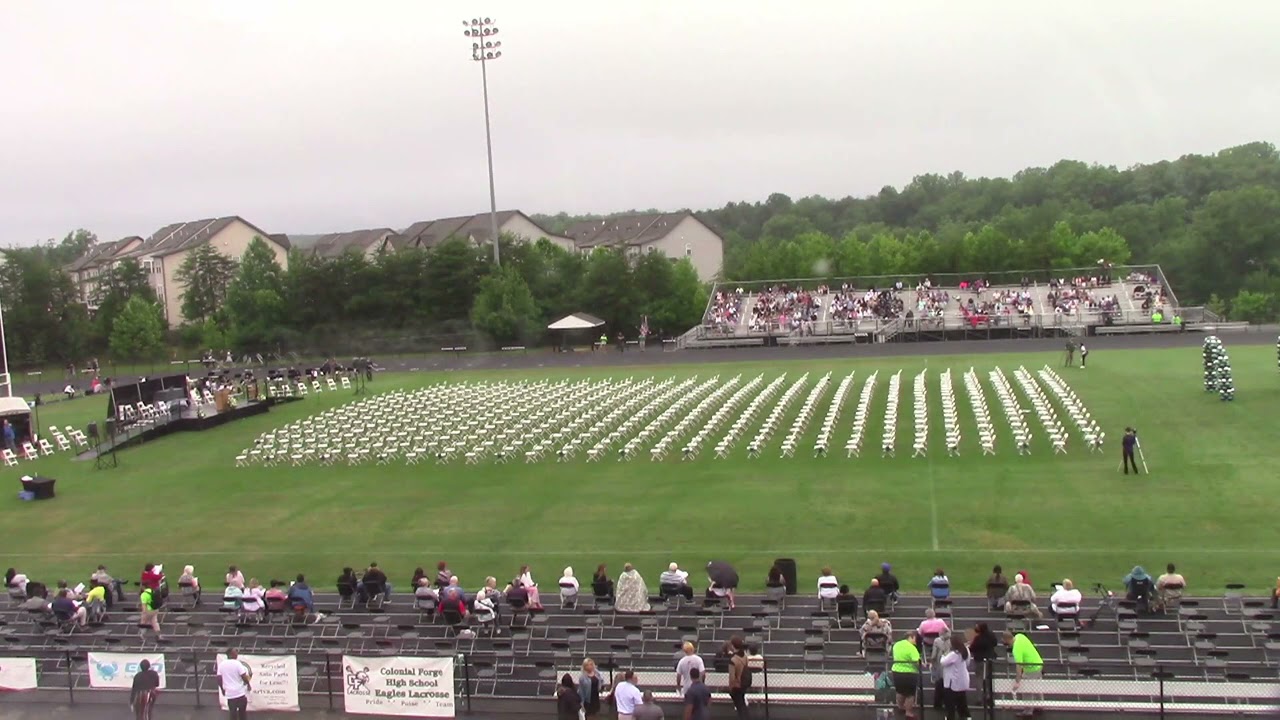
<point x="151" y="578"/>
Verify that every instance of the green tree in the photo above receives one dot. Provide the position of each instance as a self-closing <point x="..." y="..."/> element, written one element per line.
<point x="1254" y="307"/>
<point x="504" y="308"/>
<point x="43" y="316"/>
<point x="453" y="272"/>
<point x="116" y="285"/>
<point x="255" y="299"/>
<point x="205" y="275"/>
<point x="607" y="290"/>
<point x="138" y="332"/>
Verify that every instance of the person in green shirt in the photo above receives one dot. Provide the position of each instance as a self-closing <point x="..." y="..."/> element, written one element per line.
<point x="150" y="617"/>
<point x="906" y="672"/>
<point x="1027" y="660"/>
<point x="1157" y="317"/>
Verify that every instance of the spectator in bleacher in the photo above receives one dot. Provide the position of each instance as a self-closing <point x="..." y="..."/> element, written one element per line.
<point x="1065" y="601"/>
<point x="66" y="610"/>
<point x="1021" y="591"/>
<point x="188" y="579"/>
<point x="443" y="574"/>
<point x="62" y="585"/>
<point x="828" y="585"/>
<point x="737" y="678"/>
<point x="14" y="580"/>
<point x="1138" y="587"/>
<point x="95" y="601"/>
<point x="602" y="584"/>
<point x="253" y="601"/>
<point x="888" y="581"/>
<point x="591" y="688"/>
<point x="846" y="605"/>
<point x="568" y="585"/>
<point x="932" y="624"/>
<point x="1275" y="595"/>
<point x="373" y="576"/>
<point x="235" y="578"/>
<point x="568" y="703"/>
<point x="524" y="580"/>
<point x="633" y="594"/>
<point x="955" y="679"/>
<point x="877" y="625"/>
<point x="688" y="662"/>
<point x="418" y="574"/>
<point x="997" y="586"/>
<point x="906" y="668"/>
<point x="936" y="648"/>
<point x="939" y="585"/>
<point x="485" y="607"/>
<point x="151" y="577"/>
<point x="775" y="578"/>
<point x="425" y="591"/>
<point x="300" y="595"/>
<point x="875" y="598"/>
<point x="453" y="592"/>
<point x="114" y="586"/>
<point x="675" y="582"/>
<point x="347" y="582"/>
<point x="1027" y="660"/>
<point x="718" y="594"/>
<point x="1170" y="586"/>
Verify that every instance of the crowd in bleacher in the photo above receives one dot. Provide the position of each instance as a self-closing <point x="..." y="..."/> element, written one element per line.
<point x="852" y="305"/>
<point x="788" y="308"/>
<point x="724" y="311"/>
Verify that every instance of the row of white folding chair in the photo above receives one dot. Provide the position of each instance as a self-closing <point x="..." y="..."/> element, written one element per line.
<point x="981" y="413"/>
<point x="707" y="398"/>
<point x="621" y="418"/>
<point x="950" y="418"/>
<point x="823" y="442"/>
<point x="1044" y="410"/>
<point x="774" y="417"/>
<point x="571" y="427"/>
<point x="1089" y="428"/>
<point x="719" y="417"/>
<point x="801" y="421"/>
<point x="703" y="415"/>
<point x="1012" y="411"/>
<point x="748" y="416"/>
<point x="649" y="414"/>
<point x="889" y="441"/>
<point x="853" y="448"/>
<point x="920" y="407"/>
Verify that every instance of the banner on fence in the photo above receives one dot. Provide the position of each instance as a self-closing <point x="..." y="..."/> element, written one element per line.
<point x="116" y="670"/>
<point x="405" y="686"/>
<point x="17" y="673"/>
<point x="273" y="682"/>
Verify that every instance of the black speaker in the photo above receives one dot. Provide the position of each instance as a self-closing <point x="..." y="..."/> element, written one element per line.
<point x="92" y="431"/>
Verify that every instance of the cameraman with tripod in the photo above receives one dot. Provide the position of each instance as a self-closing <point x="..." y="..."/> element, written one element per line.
<point x="1128" y="444"/>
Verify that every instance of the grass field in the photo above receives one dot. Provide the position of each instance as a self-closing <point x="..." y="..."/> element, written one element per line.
<point x="1209" y="504"/>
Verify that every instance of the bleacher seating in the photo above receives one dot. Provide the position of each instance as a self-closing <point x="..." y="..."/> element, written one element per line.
<point x="1219" y="652"/>
<point x="817" y="309"/>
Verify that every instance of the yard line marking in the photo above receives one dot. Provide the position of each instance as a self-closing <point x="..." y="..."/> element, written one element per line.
<point x="933" y="498"/>
<point x="669" y="553"/>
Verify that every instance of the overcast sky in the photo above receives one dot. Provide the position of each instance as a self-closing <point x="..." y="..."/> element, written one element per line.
<point x="317" y="115"/>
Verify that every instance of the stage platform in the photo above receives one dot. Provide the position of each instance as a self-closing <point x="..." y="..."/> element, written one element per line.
<point x="187" y="420"/>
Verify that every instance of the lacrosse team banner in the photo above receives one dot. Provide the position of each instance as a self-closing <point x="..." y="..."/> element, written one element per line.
<point x="116" y="670"/>
<point x="273" y="683"/>
<point x="405" y="686"/>
<point x="17" y="673"/>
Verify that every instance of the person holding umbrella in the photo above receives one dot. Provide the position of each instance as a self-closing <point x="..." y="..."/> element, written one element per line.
<point x="724" y="580"/>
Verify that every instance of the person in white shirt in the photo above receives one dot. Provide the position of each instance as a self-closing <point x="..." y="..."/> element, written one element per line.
<point x="235" y="577"/>
<point x="234" y="681"/>
<point x="568" y="584"/>
<point x="675" y="582"/>
<point x="828" y="585"/>
<point x="626" y="696"/>
<point x="1065" y="601"/>
<point x="691" y="661"/>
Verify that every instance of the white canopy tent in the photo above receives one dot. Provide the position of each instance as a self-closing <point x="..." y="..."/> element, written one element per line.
<point x="576" y="321"/>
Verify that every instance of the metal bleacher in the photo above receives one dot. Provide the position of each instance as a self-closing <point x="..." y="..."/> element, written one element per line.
<point x="1213" y="655"/>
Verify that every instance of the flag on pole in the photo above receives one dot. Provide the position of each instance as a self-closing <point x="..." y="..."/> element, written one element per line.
<point x="644" y="326"/>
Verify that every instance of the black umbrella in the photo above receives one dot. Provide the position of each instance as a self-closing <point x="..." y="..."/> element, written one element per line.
<point x="722" y="574"/>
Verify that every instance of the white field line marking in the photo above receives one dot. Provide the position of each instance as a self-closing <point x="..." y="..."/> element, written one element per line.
<point x="399" y="552"/>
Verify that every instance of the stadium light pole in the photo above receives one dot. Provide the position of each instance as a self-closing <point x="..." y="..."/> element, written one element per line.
<point x="483" y="50"/>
